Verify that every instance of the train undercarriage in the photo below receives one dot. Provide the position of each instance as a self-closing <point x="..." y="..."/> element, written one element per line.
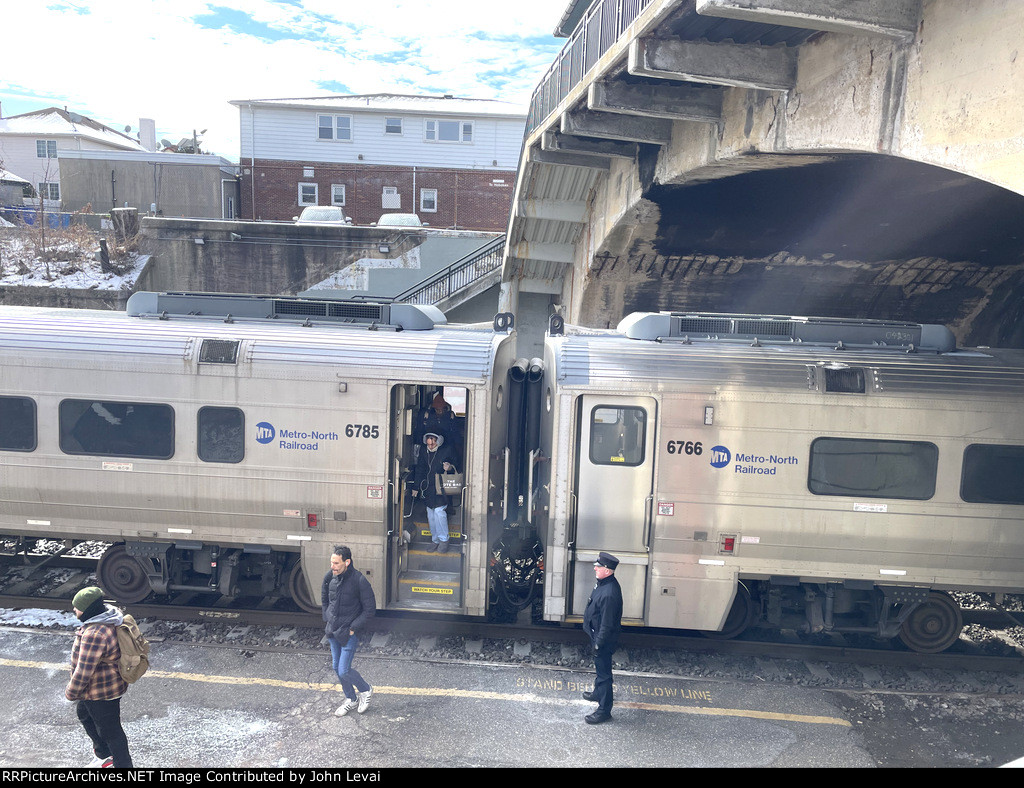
<point x="924" y="620"/>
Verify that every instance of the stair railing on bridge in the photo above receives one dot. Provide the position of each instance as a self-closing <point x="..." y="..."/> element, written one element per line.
<point x="456" y="276"/>
<point x="602" y="26"/>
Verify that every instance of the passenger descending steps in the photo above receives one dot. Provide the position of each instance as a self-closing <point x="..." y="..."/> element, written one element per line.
<point x="433" y="580"/>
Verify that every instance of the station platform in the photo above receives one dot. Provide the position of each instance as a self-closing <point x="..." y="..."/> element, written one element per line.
<point x="207" y="706"/>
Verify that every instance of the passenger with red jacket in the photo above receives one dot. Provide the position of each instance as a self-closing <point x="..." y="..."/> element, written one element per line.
<point x="96" y="684"/>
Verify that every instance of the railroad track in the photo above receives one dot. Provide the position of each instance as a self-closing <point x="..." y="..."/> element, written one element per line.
<point x="520" y="640"/>
<point x="39" y="581"/>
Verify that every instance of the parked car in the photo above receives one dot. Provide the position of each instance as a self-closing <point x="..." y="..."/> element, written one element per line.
<point x="400" y="220"/>
<point x="322" y="214"/>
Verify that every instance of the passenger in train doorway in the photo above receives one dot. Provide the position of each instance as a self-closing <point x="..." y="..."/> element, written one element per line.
<point x="96" y="684"/>
<point x="437" y="459"/>
<point x="440" y="419"/>
<point x="601" y="621"/>
<point x="348" y="603"/>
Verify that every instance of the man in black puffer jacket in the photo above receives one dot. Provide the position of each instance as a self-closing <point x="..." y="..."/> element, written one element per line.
<point x="347" y="600"/>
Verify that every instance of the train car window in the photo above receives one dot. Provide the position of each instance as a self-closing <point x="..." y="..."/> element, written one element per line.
<point x="617" y="435"/>
<point x="873" y="468"/>
<point x="118" y="429"/>
<point x="17" y="424"/>
<point x="221" y="435"/>
<point x="993" y="474"/>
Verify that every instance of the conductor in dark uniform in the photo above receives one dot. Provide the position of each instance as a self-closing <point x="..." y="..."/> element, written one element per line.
<point x="601" y="621"/>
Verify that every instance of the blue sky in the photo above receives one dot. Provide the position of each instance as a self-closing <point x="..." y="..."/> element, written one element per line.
<point x="181" y="61"/>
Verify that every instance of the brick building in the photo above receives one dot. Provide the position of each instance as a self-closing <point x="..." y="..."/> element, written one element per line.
<point x="450" y="160"/>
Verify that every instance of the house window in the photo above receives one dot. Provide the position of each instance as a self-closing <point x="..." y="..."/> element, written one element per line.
<point x="390" y="198"/>
<point x="49" y="191"/>
<point x="392" y="125"/>
<point x="449" y="131"/>
<point x="46" y="149"/>
<point x="308" y="194"/>
<point x="428" y="200"/>
<point x="334" y="127"/>
<point x="337" y="194"/>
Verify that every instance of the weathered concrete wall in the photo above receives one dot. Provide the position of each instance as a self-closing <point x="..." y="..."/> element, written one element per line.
<point x="176" y="189"/>
<point x="65" y="298"/>
<point x="253" y="257"/>
<point x="952" y="97"/>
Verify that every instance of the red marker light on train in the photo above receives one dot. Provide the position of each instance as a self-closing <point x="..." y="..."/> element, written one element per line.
<point x="728" y="544"/>
<point x="311" y="520"/>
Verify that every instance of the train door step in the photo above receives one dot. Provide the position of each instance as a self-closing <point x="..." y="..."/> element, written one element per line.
<point x="422" y="559"/>
<point x="438" y="589"/>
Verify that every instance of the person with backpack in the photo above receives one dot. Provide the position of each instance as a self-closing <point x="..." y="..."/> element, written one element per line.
<point x="96" y="683"/>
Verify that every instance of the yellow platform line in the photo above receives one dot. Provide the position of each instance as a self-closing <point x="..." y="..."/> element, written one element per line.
<point x="434" y="692"/>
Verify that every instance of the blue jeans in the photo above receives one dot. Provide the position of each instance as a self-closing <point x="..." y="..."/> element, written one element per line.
<point x="438" y="521"/>
<point x="341" y="661"/>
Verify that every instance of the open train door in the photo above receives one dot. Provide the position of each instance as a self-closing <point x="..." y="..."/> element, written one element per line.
<point x="613" y="495"/>
<point x="420" y="577"/>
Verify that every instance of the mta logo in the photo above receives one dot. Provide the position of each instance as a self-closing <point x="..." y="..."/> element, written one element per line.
<point x="720" y="457"/>
<point x="265" y="432"/>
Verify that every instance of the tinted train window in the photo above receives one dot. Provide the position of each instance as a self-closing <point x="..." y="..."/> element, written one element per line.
<point x="118" y="429"/>
<point x="617" y="435"/>
<point x="221" y="435"/>
<point x="17" y="424"/>
<point x="993" y="474"/>
<point x="873" y="469"/>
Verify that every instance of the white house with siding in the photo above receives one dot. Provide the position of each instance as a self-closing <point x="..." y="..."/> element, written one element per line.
<point x="31" y="144"/>
<point x="444" y="158"/>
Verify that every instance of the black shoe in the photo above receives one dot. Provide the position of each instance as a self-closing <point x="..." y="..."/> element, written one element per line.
<point x="431" y="547"/>
<point x="443" y="547"/>
<point x="598" y="717"/>
<point x="590" y="696"/>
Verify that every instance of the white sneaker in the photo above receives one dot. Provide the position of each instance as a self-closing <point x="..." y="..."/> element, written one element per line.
<point x="345" y="708"/>
<point x="364" y="700"/>
<point x="101" y="763"/>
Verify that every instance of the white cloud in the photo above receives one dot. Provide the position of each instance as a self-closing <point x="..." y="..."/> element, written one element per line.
<point x="119" y="60"/>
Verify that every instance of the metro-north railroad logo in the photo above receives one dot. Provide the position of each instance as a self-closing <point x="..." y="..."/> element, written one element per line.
<point x="720" y="456"/>
<point x="265" y="432"/>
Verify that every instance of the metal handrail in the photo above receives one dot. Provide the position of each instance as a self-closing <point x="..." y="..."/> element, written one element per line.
<point x="455" y="277"/>
<point x="603" y="25"/>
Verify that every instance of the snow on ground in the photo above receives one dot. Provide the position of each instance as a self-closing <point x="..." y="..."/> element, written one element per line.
<point x="34" y="617"/>
<point x="357" y="275"/>
<point x="73" y="264"/>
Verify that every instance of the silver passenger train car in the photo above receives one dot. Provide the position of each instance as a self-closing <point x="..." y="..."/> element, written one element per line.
<point x="813" y="473"/>
<point x="226" y="443"/>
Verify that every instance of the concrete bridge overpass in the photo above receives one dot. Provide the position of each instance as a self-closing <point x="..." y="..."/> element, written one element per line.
<point x="832" y="157"/>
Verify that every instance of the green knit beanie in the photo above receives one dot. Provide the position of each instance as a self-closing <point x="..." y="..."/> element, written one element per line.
<point x="87" y="597"/>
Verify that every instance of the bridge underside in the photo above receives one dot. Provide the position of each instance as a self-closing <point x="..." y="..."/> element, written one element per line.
<point x="861" y="236"/>
<point x="785" y="157"/>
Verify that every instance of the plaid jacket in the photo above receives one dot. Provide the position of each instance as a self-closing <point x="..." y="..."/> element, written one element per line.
<point x="94" y="658"/>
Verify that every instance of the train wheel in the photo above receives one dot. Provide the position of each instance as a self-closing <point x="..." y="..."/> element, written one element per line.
<point x="741" y="616"/>
<point x="122" y="576"/>
<point x="298" y="589"/>
<point x="933" y="626"/>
